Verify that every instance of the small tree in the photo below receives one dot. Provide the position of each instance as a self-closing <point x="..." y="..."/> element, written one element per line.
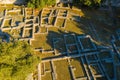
<point x="17" y="60"/>
<point x="40" y="3"/>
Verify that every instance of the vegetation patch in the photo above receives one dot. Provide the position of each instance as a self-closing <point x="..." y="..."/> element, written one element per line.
<point x="17" y="60"/>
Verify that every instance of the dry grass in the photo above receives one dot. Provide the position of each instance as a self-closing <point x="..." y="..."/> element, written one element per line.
<point x="2" y="9"/>
<point x="104" y="55"/>
<point x="117" y="43"/>
<point x="74" y="27"/>
<point x="36" y="12"/>
<point x="62" y="70"/>
<point x="8" y="31"/>
<point x="116" y="58"/>
<point x="44" y="21"/>
<point x="48" y="76"/>
<point x="52" y="20"/>
<point x="70" y="39"/>
<point x="77" y="11"/>
<point x="72" y="48"/>
<point x="55" y="30"/>
<point x="42" y="69"/>
<point x="18" y="18"/>
<point x="12" y="13"/>
<point x="41" y="42"/>
<point x="47" y="66"/>
<point x="28" y="33"/>
<point x="43" y="29"/>
<point x="45" y="55"/>
<point x="29" y="11"/>
<point x="60" y="22"/>
<point x="91" y="57"/>
<point x="60" y="46"/>
<point x="7" y="23"/>
<point x="15" y="33"/>
<point x="109" y="69"/>
<point x="102" y="23"/>
<point x="79" y="70"/>
<point x="117" y="72"/>
<point x="95" y="69"/>
<point x="86" y="43"/>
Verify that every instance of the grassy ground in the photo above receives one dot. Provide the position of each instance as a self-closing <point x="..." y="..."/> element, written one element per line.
<point x="74" y="27"/>
<point x="70" y="39"/>
<point x="79" y="70"/>
<point x="109" y="69"/>
<point x="60" y="46"/>
<point x="91" y="57"/>
<point x="8" y="6"/>
<point x="52" y="21"/>
<point x="43" y="29"/>
<point x="18" y="18"/>
<point x="48" y="76"/>
<point x="8" y="31"/>
<point x="12" y="13"/>
<point x="72" y="48"/>
<point x="104" y="55"/>
<point x="37" y="29"/>
<point x="2" y="9"/>
<point x="116" y="58"/>
<point x="29" y="11"/>
<point x="62" y="70"/>
<point x="102" y="23"/>
<point x="86" y="43"/>
<point x="42" y="68"/>
<point x="60" y="22"/>
<point x="36" y="12"/>
<point x="47" y="66"/>
<point x="95" y="69"/>
<point x="44" y="21"/>
<point x="117" y="43"/>
<point x="28" y="33"/>
<point x="7" y="23"/>
<point x="15" y="32"/>
<point x="117" y="72"/>
<point x="41" y="42"/>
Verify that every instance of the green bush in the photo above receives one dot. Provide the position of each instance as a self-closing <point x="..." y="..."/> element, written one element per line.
<point x="40" y="3"/>
<point x="17" y="60"/>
